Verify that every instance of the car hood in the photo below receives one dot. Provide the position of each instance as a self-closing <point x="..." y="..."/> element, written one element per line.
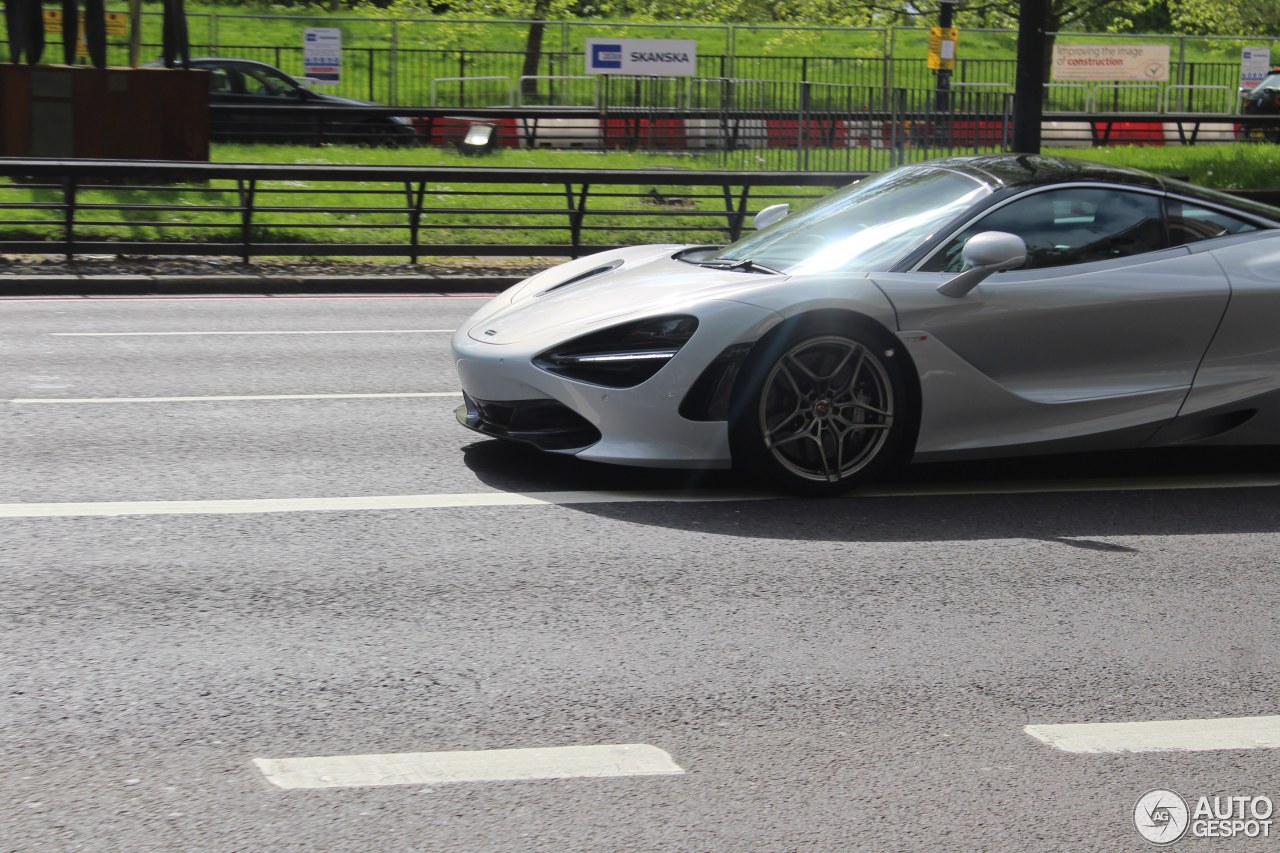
<point x="592" y="292"/>
<point x="338" y="100"/>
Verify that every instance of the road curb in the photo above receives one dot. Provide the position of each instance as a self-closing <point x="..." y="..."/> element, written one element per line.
<point x="177" y="285"/>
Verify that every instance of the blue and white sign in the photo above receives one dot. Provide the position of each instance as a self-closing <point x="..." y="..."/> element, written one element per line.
<point x="643" y="57"/>
<point x="322" y="55"/>
<point x="1255" y="62"/>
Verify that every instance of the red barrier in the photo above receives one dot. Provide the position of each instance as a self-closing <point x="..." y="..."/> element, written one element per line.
<point x="981" y="133"/>
<point x="816" y="133"/>
<point x="641" y="132"/>
<point x="1130" y="132"/>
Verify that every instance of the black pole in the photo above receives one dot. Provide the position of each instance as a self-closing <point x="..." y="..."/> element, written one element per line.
<point x="942" y="85"/>
<point x="1028" y="92"/>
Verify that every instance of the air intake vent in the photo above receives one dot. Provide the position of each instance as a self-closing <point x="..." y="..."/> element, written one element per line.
<point x="583" y="276"/>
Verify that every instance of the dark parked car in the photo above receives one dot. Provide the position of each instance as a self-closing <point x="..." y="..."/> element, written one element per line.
<point x="1262" y="100"/>
<point x="246" y="82"/>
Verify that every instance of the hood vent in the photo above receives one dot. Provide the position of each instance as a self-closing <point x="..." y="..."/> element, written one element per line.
<point x="583" y="276"/>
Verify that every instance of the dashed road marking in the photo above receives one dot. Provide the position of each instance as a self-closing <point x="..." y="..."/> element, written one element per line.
<point x="355" y="504"/>
<point x="232" y="398"/>
<point x="497" y="499"/>
<point x="254" y="332"/>
<point x="1162" y="735"/>
<point x="435" y="768"/>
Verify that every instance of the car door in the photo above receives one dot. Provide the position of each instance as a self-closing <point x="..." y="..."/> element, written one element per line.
<point x="249" y="84"/>
<point x="1098" y="336"/>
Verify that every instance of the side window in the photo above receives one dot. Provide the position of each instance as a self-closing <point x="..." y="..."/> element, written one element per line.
<point x="1189" y="223"/>
<point x="219" y="80"/>
<point x="1068" y="226"/>
<point x="261" y="81"/>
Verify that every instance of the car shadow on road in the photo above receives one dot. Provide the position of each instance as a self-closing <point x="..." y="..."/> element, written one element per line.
<point x="1074" y="516"/>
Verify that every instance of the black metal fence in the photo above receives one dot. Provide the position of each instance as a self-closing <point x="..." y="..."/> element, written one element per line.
<point x="422" y="77"/>
<point x="146" y="208"/>
<point x="79" y="207"/>
<point x="834" y="128"/>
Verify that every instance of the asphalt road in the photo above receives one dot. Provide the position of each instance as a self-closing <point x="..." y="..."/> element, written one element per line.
<point x="849" y="674"/>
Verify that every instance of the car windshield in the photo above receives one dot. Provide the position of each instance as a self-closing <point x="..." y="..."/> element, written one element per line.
<point x="867" y="227"/>
<point x="1271" y="81"/>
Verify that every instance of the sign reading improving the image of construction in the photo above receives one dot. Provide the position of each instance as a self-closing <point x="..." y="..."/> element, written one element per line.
<point x="1146" y="62"/>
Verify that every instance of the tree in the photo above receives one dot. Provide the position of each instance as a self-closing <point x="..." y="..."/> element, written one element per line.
<point x="1213" y="17"/>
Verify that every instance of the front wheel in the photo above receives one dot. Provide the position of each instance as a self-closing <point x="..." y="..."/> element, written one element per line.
<point x="821" y="409"/>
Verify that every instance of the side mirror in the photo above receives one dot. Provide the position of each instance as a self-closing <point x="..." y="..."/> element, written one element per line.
<point x="985" y="253"/>
<point x="771" y="214"/>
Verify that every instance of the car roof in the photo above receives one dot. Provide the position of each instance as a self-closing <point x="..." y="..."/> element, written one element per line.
<point x="1016" y="172"/>
<point x="223" y="60"/>
<point x="1020" y="171"/>
<point x="214" y="60"/>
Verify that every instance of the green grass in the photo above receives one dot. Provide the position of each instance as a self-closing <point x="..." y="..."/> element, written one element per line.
<point x="1238" y="166"/>
<point x="233" y="24"/>
<point x="434" y="47"/>
<point x="1228" y="166"/>
<point x="344" y="214"/>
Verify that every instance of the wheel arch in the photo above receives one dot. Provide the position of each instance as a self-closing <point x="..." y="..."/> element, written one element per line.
<point x="840" y="319"/>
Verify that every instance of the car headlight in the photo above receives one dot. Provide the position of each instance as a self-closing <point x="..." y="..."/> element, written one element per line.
<point x="621" y="356"/>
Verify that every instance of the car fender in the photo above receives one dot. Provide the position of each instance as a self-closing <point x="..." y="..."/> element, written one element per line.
<point x="813" y="294"/>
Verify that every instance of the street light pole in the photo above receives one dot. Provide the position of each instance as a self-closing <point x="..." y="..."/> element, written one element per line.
<point x="1028" y="92"/>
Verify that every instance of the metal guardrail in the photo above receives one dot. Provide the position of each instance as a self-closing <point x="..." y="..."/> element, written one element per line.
<point x="87" y="207"/>
<point x="93" y="207"/>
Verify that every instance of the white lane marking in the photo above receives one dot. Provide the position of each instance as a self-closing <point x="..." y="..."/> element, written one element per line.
<point x="1026" y="487"/>
<point x="435" y="768"/>
<point x="278" y="332"/>
<point x="353" y="504"/>
<point x="63" y="400"/>
<point x="1162" y="735"/>
<point x="565" y="498"/>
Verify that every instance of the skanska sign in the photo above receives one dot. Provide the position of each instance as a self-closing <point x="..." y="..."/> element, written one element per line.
<point x="651" y="57"/>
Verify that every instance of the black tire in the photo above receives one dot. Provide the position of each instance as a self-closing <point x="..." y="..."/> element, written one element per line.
<point x="821" y="407"/>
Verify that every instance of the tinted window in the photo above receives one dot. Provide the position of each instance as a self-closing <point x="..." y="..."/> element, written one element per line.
<point x="268" y="81"/>
<point x="866" y="227"/>
<point x="1068" y="226"/>
<point x="1271" y="81"/>
<point x="219" y="80"/>
<point x="1189" y="223"/>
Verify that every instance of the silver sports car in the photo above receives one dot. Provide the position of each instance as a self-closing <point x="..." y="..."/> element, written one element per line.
<point x="976" y="306"/>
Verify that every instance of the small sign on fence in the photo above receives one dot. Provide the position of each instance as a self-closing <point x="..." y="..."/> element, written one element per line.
<point x="644" y="57"/>
<point x="322" y="55"/>
<point x="1255" y="62"/>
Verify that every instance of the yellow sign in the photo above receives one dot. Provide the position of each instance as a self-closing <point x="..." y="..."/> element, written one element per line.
<point x="942" y="48"/>
<point x="117" y="22"/>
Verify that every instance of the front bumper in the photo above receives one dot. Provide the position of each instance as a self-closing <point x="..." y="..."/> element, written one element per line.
<point x="510" y="398"/>
<point x="545" y="424"/>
